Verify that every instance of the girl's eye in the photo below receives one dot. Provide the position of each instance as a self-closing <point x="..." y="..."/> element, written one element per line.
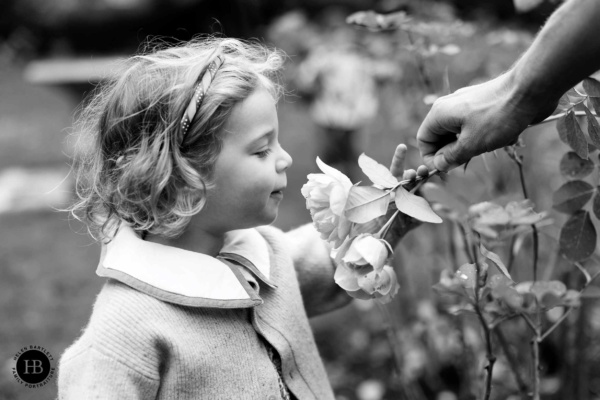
<point x="264" y="153"/>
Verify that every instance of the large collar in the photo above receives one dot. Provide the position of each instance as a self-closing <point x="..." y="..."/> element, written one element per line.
<point x="186" y="277"/>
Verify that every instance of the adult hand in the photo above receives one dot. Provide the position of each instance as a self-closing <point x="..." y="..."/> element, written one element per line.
<point x="475" y="120"/>
<point x="397" y="166"/>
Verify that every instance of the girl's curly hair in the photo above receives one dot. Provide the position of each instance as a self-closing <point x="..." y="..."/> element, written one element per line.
<point x="133" y="165"/>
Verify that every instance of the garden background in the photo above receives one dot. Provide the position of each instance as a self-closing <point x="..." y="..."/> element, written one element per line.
<point x="51" y="52"/>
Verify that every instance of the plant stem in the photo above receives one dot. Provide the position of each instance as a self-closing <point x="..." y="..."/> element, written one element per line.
<point x="489" y="354"/>
<point x="535" y="250"/>
<point x="535" y="352"/>
<point x="534" y="233"/>
<point x="558" y="116"/>
<point x="511" y="256"/>
<point x="529" y="322"/>
<point x="487" y="334"/>
<point x="463" y="234"/>
<point x="452" y="245"/>
<point x="556" y="324"/>
<point x="514" y="365"/>
<point x="418" y="181"/>
<point x="566" y="313"/>
<point x="384" y="229"/>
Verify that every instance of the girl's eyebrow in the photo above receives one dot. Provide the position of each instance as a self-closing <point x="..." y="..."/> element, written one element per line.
<point x="267" y="135"/>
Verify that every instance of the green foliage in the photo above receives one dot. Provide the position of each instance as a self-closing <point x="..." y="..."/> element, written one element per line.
<point x="488" y="278"/>
<point x="377" y="173"/>
<point x="578" y="237"/>
<point x="366" y="203"/>
<point x="574" y="167"/>
<point x="415" y="206"/>
<point x="572" y="196"/>
<point x="570" y="133"/>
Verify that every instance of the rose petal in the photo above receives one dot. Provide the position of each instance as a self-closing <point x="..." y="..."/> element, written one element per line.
<point x="338" y="253"/>
<point x="345" y="278"/>
<point x="368" y="282"/>
<point x="337" y="200"/>
<point x="335" y="174"/>
<point x="374" y="251"/>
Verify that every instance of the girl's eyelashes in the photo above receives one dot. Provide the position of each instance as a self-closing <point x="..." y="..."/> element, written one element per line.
<point x="263" y="153"/>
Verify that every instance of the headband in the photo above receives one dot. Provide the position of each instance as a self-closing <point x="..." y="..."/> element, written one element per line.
<point x="199" y="92"/>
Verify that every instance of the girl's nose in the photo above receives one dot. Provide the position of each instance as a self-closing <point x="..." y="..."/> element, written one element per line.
<point x="284" y="161"/>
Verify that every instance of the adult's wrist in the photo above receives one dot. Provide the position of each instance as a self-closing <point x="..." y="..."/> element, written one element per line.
<point x="528" y="96"/>
<point x="528" y="91"/>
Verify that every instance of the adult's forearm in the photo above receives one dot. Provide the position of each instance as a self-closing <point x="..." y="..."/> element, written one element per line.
<point x="565" y="51"/>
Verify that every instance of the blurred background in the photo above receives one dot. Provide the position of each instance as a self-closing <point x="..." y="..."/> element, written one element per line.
<point x="53" y="52"/>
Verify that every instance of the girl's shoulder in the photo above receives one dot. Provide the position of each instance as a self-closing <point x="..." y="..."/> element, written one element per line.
<point x="122" y="314"/>
<point x="124" y="327"/>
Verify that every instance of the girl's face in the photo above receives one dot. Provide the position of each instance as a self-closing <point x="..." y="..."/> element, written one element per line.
<point x="249" y="174"/>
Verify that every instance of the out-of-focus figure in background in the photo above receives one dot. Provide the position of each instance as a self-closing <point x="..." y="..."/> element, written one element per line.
<point x="340" y="79"/>
<point x="342" y="89"/>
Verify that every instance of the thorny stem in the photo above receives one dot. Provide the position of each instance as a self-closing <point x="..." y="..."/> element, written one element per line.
<point x="514" y="365"/>
<point x="487" y="333"/>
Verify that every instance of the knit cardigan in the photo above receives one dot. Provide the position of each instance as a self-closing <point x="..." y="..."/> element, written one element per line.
<point x="137" y="346"/>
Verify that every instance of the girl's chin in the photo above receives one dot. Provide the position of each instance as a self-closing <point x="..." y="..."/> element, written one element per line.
<point x="266" y="218"/>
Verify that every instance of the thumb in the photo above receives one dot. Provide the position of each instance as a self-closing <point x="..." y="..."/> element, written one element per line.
<point x="450" y="156"/>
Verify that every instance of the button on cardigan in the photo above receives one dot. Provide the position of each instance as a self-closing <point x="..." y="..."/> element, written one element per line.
<point x="174" y="324"/>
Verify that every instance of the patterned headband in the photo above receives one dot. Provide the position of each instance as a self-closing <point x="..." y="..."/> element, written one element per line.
<point x="201" y="88"/>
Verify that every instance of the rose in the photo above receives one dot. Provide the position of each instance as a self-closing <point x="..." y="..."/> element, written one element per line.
<point x="382" y="286"/>
<point x="490" y="219"/>
<point x="364" y="250"/>
<point x="326" y="196"/>
<point x="361" y="284"/>
<point x="361" y="269"/>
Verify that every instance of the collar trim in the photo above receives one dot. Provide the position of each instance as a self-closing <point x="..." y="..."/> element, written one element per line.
<point x="185" y="277"/>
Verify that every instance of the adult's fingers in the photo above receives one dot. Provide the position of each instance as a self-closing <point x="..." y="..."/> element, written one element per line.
<point x="409" y="174"/>
<point x="456" y="153"/>
<point x="422" y="171"/>
<point x="397" y="166"/>
<point x="439" y="128"/>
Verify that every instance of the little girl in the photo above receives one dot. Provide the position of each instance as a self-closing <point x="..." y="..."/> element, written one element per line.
<point x="182" y="173"/>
